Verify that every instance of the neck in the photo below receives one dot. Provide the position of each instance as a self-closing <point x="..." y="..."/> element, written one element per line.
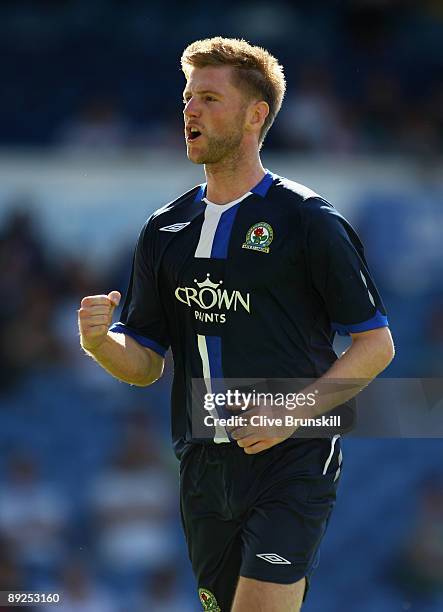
<point x="231" y="178"/>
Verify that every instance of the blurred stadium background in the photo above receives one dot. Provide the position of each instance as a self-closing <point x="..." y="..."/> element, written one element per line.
<point x="91" y="143"/>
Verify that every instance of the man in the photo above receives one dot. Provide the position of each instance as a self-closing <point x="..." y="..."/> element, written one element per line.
<point x="246" y="276"/>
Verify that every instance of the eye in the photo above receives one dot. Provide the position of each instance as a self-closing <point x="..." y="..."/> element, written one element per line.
<point x="209" y="99"/>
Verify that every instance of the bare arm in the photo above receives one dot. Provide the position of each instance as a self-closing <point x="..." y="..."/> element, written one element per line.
<point x="370" y="353"/>
<point x="118" y="354"/>
<point x="127" y="360"/>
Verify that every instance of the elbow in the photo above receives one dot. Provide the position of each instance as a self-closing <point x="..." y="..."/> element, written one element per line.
<point x="392" y="352"/>
<point x="147" y="381"/>
<point x="375" y="349"/>
<point x="144" y="381"/>
<point x="153" y="371"/>
<point x="389" y="356"/>
<point x="386" y="350"/>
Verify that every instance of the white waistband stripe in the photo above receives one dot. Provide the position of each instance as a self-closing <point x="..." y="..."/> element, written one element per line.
<point x="331" y="454"/>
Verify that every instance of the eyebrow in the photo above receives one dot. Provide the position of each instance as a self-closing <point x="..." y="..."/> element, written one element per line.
<point x="202" y="92"/>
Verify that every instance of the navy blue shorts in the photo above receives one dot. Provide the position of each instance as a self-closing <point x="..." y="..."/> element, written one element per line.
<point x="260" y="516"/>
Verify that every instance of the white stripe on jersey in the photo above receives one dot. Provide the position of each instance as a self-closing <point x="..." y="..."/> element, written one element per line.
<point x="220" y="435"/>
<point x="213" y="213"/>
<point x="366" y="285"/>
<point x="328" y="460"/>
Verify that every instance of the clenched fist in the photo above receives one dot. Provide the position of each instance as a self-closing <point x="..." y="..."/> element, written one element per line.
<point x="95" y="317"/>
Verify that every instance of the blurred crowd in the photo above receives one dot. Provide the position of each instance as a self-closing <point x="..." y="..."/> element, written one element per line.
<point x="88" y="499"/>
<point x="364" y="76"/>
<point x="113" y="551"/>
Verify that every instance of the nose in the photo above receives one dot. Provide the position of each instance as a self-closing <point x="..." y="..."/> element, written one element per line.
<point x="191" y="108"/>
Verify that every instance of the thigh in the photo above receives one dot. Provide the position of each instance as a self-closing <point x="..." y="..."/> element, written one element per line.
<point x="215" y="552"/>
<point x="213" y="535"/>
<point x="267" y="596"/>
<point x="287" y="521"/>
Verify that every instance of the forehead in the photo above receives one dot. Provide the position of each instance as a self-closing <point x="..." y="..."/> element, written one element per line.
<point x="211" y="78"/>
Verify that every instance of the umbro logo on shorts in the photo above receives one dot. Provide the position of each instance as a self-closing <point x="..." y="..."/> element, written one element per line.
<point x="175" y="227"/>
<point x="274" y="559"/>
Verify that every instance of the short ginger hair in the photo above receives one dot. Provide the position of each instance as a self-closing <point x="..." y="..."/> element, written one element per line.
<point x="256" y="71"/>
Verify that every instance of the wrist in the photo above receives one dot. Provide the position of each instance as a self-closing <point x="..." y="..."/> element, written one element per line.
<point x="93" y="348"/>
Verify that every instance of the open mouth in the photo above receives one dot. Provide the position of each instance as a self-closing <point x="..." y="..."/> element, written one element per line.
<point x="193" y="134"/>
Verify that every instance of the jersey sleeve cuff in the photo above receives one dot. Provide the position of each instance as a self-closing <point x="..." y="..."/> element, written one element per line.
<point x="378" y="320"/>
<point x="121" y="328"/>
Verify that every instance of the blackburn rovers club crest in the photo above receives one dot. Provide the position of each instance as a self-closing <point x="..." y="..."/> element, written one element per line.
<point x="259" y="237"/>
<point x="208" y="601"/>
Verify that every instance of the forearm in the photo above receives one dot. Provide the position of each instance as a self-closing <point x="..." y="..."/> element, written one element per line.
<point x="352" y="372"/>
<point x="125" y="359"/>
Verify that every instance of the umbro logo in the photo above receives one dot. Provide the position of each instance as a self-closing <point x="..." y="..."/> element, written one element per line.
<point x="175" y="227"/>
<point x="274" y="559"/>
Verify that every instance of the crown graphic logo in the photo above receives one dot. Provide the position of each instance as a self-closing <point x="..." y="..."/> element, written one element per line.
<point x="208" y="283"/>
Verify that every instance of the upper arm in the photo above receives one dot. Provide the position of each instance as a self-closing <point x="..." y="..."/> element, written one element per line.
<point x="380" y="334"/>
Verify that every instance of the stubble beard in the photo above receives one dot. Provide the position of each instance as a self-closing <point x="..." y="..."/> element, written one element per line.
<point x="222" y="148"/>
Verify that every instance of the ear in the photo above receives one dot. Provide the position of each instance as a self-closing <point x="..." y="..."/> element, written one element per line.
<point x="258" y="111"/>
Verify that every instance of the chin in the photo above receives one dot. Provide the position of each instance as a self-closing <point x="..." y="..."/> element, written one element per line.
<point x="196" y="158"/>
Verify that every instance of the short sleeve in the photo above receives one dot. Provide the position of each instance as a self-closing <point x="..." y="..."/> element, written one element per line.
<point x="339" y="271"/>
<point x="142" y="315"/>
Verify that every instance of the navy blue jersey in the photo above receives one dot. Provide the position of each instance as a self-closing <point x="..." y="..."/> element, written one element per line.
<point x="256" y="288"/>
